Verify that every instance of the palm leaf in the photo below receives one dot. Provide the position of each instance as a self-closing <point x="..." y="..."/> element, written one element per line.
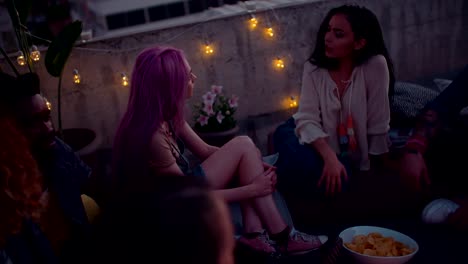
<point x="61" y="48"/>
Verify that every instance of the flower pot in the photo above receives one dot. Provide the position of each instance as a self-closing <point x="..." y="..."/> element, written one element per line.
<point x="218" y="138"/>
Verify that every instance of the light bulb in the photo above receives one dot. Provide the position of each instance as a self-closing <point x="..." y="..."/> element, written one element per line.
<point x="209" y="49"/>
<point x="48" y="104"/>
<point x="20" y="59"/>
<point x="293" y="102"/>
<point x="253" y="22"/>
<point x="270" y="32"/>
<point x="125" y="80"/>
<point x="76" y="77"/>
<point x="279" y="63"/>
<point x="35" y="53"/>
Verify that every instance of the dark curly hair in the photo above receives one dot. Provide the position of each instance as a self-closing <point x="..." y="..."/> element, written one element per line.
<point x="365" y="25"/>
<point x="20" y="180"/>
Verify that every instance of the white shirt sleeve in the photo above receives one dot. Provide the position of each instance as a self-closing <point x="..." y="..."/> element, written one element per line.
<point x="378" y="105"/>
<point x="308" y="118"/>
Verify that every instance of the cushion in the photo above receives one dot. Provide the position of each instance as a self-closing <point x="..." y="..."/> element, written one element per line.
<point x="441" y="84"/>
<point x="410" y="98"/>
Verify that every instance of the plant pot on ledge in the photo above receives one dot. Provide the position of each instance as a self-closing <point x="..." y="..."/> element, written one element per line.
<point x="218" y="139"/>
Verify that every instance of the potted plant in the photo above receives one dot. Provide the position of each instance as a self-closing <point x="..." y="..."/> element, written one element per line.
<point x="59" y="49"/>
<point x="214" y="117"/>
<point x="82" y="140"/>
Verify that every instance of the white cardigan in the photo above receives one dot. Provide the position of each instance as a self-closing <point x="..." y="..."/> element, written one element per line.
<point x="366" y="98"/>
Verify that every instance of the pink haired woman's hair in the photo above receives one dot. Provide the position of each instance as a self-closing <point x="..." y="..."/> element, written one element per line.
<point x="158" y="87"/>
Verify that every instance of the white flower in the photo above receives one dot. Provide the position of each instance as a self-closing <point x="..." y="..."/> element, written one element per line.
<point x="208" y="109"/>
<point x="209" y="98"/>
<point x="203" y="120"/>
<point x="227" y="112"/>
<point x="233" y="101"/>
<point x="219" y="117"/>
<point x="216" y="89"/>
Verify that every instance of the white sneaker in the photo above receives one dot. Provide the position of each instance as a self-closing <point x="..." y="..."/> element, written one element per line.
<point x="437" y="211"/>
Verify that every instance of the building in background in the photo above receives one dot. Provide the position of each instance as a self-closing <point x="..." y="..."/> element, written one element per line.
<point x="103" y="16"/>
<point x="99" y="17"/>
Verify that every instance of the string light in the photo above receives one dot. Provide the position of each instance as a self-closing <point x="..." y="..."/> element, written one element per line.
<point x="279" y="63"/>
<point x="35" y="53"/>
<point x="270" y="32"/>
<point x="250" y="6"/>
<point x="48" y="104"/>
<point x="76" y="77"/>
<point x="253" y="21"/>
<point x="293" y="102"/>
<point x="125" y="80"/>
<point x="209" y="49"/>
<point x="20" y="59"/>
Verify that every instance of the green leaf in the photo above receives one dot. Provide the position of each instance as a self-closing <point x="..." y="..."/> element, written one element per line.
<point x="61" y="47"/>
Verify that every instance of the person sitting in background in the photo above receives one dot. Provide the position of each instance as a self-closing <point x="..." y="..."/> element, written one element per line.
<point x="150" y="142"/>
<point x="65" y="220"/>
<point x="174" y="219"/>
<point x="434" y="162"/>
<point x="21" y="200"/>
<point x="344" y="112"/>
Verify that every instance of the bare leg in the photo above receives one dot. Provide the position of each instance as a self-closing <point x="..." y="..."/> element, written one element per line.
<point x="250" y="220"/>
<point x="240" y="157"/>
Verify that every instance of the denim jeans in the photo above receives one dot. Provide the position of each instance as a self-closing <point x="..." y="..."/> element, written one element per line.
<point x="299" y="166"/>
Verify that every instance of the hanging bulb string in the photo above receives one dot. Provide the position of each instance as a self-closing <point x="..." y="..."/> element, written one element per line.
<point x="169" y="39"/>
<point x="166" y="41"/>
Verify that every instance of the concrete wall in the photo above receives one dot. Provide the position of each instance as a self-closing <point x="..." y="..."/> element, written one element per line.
<point x="424" y="37"/>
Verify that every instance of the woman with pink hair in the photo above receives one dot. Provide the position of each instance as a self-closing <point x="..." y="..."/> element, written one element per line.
<point x="150" y="142"/>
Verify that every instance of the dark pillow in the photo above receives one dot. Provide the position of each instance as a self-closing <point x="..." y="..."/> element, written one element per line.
<point x="410" y="98"/>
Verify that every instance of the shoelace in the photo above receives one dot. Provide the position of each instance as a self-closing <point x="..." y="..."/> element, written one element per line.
<point x="296" y="235"/>
<point x="264" y="238"/>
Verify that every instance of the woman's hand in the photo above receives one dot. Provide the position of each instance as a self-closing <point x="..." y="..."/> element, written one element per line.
<point x="264" y="183"/>
<point x="332" y="172"/>
<point x="266" y="167"/>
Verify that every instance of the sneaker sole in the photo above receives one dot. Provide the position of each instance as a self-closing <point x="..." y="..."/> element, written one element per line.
<point x="246" y="246"/>
<point x="323" y="240"/>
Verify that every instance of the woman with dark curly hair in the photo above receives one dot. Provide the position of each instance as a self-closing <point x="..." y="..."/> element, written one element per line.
<point x="20" y="181"/>
<point x="344" y="111"/>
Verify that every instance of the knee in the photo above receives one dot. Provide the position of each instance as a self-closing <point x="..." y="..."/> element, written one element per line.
<point x="244" y="143"/>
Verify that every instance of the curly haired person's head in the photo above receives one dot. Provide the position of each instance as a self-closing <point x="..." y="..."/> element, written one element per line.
<point x="20" y="180"/>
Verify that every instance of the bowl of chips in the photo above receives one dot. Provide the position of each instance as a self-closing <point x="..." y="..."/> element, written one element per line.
<point x="378" y="245"/>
